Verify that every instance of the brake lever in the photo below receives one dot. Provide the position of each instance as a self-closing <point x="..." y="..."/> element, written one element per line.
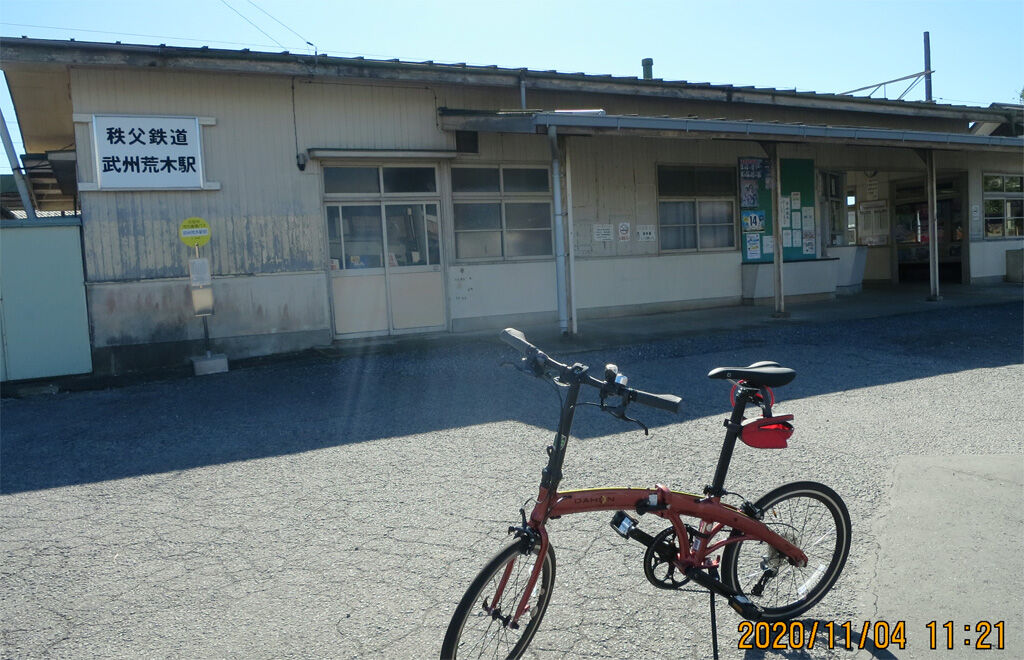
<point x="619" y="412"/>
<point x="525" y="365"/>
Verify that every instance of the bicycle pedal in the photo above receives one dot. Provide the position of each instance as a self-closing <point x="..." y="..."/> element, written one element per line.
<point x="744" y="607"/>
<point x="623" y="524"/>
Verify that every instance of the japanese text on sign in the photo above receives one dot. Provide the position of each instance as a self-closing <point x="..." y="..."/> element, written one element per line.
<point x="147" y="152"/>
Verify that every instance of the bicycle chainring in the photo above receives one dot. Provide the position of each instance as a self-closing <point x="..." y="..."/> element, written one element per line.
<point x="659" y="561"/>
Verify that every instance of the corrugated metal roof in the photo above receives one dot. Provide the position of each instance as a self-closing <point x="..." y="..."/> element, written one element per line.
<point x="22" y="49"/>
<point x="532" y="121"/>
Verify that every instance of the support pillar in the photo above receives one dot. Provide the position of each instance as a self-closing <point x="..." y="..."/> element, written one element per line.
<point x="933" y="229"/>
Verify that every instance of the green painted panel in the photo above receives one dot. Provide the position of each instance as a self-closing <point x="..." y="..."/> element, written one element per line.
<point x="797" y="205"/>
<point x="45" y="323"/>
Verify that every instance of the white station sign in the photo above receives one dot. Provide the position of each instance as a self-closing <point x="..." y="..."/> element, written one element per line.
<point x="147" y="152"/>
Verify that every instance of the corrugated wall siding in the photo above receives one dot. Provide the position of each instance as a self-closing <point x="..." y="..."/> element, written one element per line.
<point x="362" y="116"/>
<point x="266" y="217"/>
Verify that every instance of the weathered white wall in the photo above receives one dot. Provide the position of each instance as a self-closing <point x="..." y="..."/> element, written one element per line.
<point x="129" y="313"/>
<point x="614" y="180"/>
<point x="988" y="258"/>
<point x="689" y="278"/>
<point x="266" y="217"/>
<point x="799" y="278"/>
<point x="356" y="115"/>
<point x="496" y="289"/>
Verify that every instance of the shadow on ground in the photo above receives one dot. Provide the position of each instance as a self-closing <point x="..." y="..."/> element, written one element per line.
<point x="60" y="440"/>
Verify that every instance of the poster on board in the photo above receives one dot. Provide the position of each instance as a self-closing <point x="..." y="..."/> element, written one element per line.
<point x="748" y="193"/>
<point x="753" y="242"/>
<point x="753" y="220"/>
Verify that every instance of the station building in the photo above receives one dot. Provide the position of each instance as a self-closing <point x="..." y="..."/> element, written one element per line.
<point x="348" y="198"/>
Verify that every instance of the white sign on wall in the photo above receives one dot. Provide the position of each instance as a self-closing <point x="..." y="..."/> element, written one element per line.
<point x="146" y="152"/>
<point x="645" y="233"/>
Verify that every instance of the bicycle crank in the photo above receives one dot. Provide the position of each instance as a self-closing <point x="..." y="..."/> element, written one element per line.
<point x="660" y="561"/>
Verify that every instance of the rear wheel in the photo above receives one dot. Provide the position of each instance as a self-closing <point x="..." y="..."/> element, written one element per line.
<point x="481" y="628"/>
<point x="813" y="518"/>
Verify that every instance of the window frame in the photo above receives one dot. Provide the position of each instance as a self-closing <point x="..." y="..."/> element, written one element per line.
<point x="697" y="199"/>
<point x="380" y="194"/>
<point x="1005" y="198"/>
<point x="502" y="198"/>
<point x="380" y="200"/>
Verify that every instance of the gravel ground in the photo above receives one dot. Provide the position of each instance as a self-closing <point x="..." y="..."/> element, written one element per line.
<point x="339" y="508"/>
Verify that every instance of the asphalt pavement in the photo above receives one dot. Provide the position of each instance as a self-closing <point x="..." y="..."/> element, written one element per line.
<point x="338" y="505"/>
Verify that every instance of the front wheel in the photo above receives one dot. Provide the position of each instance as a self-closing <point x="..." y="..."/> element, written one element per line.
<point x="813" y="518"/>
<point x="482" y="628"/>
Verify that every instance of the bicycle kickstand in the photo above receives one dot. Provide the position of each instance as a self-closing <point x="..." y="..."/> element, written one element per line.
<point x="714" y="624"/>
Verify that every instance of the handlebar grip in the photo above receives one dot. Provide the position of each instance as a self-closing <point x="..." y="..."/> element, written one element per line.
<point x="669" y="402"/>
<point x="517" y="340"/>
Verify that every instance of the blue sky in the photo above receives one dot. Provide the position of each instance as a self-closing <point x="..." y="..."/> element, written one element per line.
<point x="823" y="46"/>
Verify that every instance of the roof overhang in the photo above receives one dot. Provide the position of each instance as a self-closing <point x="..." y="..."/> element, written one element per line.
<point x="590" y="123"/>
<point x="15" y="52"/>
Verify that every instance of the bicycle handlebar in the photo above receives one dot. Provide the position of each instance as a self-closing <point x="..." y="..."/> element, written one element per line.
<point x="540" y="361"/>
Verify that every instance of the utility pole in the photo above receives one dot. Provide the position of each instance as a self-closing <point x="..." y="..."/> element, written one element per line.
<point x="927" y="69"/>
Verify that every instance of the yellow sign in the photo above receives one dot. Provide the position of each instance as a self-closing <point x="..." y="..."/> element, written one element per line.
<point x="194" y="232"/>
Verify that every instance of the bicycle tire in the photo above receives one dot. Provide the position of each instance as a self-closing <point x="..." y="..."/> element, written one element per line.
<point x="464" y="639"/>
<point x="807" y="514"/>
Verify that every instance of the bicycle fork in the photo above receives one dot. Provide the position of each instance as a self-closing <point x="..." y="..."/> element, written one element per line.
<point x="511" y="620"/>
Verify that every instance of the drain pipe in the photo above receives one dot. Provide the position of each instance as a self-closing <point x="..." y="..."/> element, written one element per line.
<point x="19" y="178"/>
<point x="563" y="317"/>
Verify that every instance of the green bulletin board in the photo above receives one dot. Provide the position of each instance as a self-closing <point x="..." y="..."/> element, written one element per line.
<point x="796" y="205"/>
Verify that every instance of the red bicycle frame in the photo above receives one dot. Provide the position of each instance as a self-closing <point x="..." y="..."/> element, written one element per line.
<point x="660" y="501"/>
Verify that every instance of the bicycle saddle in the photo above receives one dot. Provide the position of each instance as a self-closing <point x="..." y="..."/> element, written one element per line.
<point x="759" y="374"/>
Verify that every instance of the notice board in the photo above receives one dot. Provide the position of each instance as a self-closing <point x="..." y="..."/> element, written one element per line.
<point x="796" y="210"/>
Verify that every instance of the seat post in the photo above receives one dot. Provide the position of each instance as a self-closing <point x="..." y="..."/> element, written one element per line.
<point x="733" y="431"/>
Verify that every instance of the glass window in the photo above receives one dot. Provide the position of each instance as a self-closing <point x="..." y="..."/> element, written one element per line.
<point x="705" y="216"/>
<point x="525" y="180"/>
<point x="531" y="215"/>
<point x="409" y="180"/>
<point x="477" y="244"/>
<point x="715" y="225"/>
<point x="475" y="179"/>
<point x="993" y="208"/>
<point x="678" y="221"/>
<point x="512" y="221"/>
<point x="334" y="236"/>
<point x="364" y="241"/>
<point x="687" y="181"/>
<point x="1004" y="205"/>
<point x="407" y="236"/>
<point x="351" y="180"/>
<point x="472" y="238"/>
<point x="433" y="234"/>
<point x="477" y="216"/>
<point x="380" y="227"/>
<point x="467" y="142"/>
<point x="528" y="243"/>
<point x="992" y="183"/>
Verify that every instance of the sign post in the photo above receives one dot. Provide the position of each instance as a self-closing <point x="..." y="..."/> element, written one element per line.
<point x="195" y="232"/>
